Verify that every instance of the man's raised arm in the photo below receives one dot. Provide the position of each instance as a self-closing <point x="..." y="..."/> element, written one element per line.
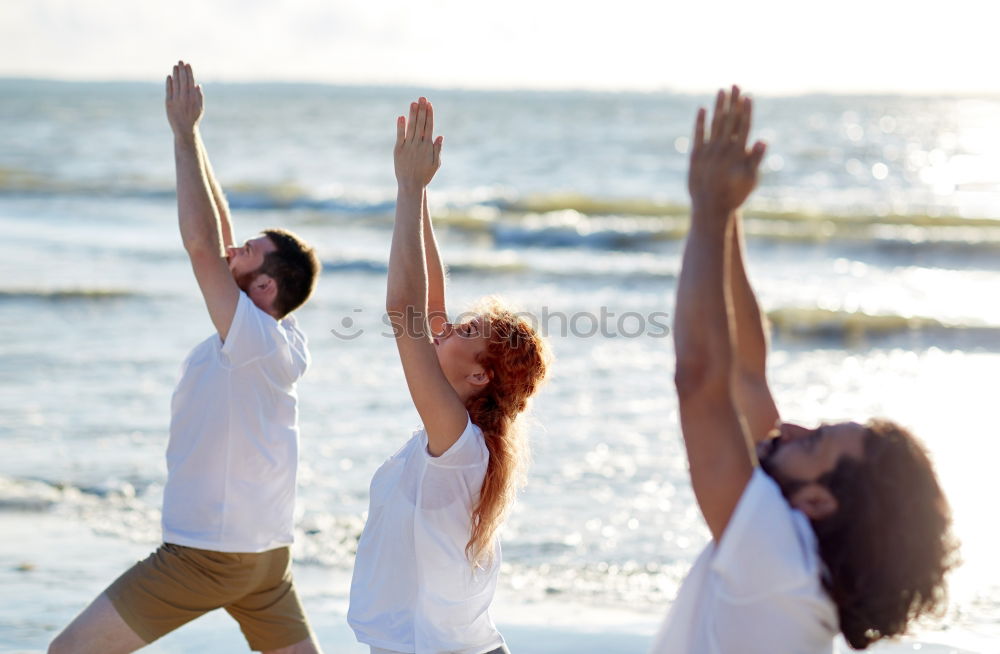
<point x="753" y="396"/>
<point x="219" y="199"/>
<point x="722" y="175"/>
<point x="201" y="231"/>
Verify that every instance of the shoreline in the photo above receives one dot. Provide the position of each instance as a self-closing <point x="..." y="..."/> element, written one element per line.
<point x="51" y="566"/>
<point x="45" y="588"/>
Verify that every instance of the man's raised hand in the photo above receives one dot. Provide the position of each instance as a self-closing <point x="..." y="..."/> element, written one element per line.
<point x="723" y="171"/>
<point x="417" y="154"/>
<point x="185" y="100"/>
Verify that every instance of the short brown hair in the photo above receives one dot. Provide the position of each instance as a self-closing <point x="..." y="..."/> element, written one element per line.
<point x="294" y="268"/>
<point x="888" y="545"/>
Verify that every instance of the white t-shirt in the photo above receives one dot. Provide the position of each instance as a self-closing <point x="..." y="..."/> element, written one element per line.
<point x="233" y="452"/>
<point x="758" y="590"/>
<point x="414" y="589"/>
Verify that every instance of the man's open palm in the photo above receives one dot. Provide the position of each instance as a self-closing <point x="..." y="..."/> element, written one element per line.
<point x="723" y="171"/>
<point x="185" y="100"/>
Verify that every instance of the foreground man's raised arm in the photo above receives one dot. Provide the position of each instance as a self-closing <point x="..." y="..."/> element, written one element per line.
<point x="723" y="173"/>
<point x="198" y="217"/>
<point x="750" y="388"/>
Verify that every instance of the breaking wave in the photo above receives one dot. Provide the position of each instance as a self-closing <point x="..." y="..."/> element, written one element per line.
<point x="856" y="326"/>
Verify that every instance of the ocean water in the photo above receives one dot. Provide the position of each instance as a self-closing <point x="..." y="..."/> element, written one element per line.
<point x="874" y="245"/>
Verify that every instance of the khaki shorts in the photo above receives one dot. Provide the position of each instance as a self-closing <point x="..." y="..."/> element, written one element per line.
<point x="177" y="584"/>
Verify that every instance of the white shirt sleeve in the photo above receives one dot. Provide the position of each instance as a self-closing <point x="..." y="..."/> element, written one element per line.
<point x="761" y="551"/>
<point x="298" y="350"/>
<point x="756" y="591"/>
<point x="252" y="335"/>
<point x="456" y="476"/>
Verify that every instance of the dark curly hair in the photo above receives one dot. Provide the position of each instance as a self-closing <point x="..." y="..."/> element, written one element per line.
<point x="293" y="266"/>
<point x="888" y="545"/>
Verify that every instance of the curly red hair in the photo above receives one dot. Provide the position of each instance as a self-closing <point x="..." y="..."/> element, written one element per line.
<point x="516" y="359"/>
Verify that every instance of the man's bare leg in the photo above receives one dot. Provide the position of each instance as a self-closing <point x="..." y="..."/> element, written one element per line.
<point x="98" y="630"/>
<point x="307" y="646"/>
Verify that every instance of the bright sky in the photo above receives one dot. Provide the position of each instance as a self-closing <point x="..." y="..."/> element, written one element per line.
<point x="768" y="46"/>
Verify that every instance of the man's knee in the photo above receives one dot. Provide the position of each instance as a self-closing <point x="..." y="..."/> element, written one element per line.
<point x="61" y="644"/>
<point x="307" y="646"/>
<point x="97" y="630"/>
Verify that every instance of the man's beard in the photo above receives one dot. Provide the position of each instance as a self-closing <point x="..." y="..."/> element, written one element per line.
<point x="244" y="280"/>
<point x="766" y="461"/>
<point x="788" y="484"/>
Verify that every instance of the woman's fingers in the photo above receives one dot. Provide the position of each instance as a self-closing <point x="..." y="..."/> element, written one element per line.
<point x="420" y="125"/>
<point x="438" y="142"/>
<point x="418" y="151"/>
<point x="429" y="126"/>
<point x="411" y="124"/>
<point x="400" y="130"/>
<point x="421" y="119"/>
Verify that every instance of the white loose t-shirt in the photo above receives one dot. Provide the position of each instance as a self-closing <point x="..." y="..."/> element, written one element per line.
<point x="233" y="452"/>
<point x="414" y="589"/>
<point x="758" y="591"/>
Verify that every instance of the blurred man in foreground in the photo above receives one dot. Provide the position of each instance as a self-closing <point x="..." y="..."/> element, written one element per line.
<point x="842" y="527"/>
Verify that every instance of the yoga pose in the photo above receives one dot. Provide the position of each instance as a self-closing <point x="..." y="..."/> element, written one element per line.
<point x="233" y="449"/>
<point x="842" y="527"/>
<point x="428" y="559"/>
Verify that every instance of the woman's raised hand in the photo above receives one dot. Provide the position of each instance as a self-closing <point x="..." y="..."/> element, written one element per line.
<point x="417" y="154"/>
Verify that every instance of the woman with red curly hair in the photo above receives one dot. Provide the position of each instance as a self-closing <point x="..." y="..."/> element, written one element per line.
<point x="428" y="559"/>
